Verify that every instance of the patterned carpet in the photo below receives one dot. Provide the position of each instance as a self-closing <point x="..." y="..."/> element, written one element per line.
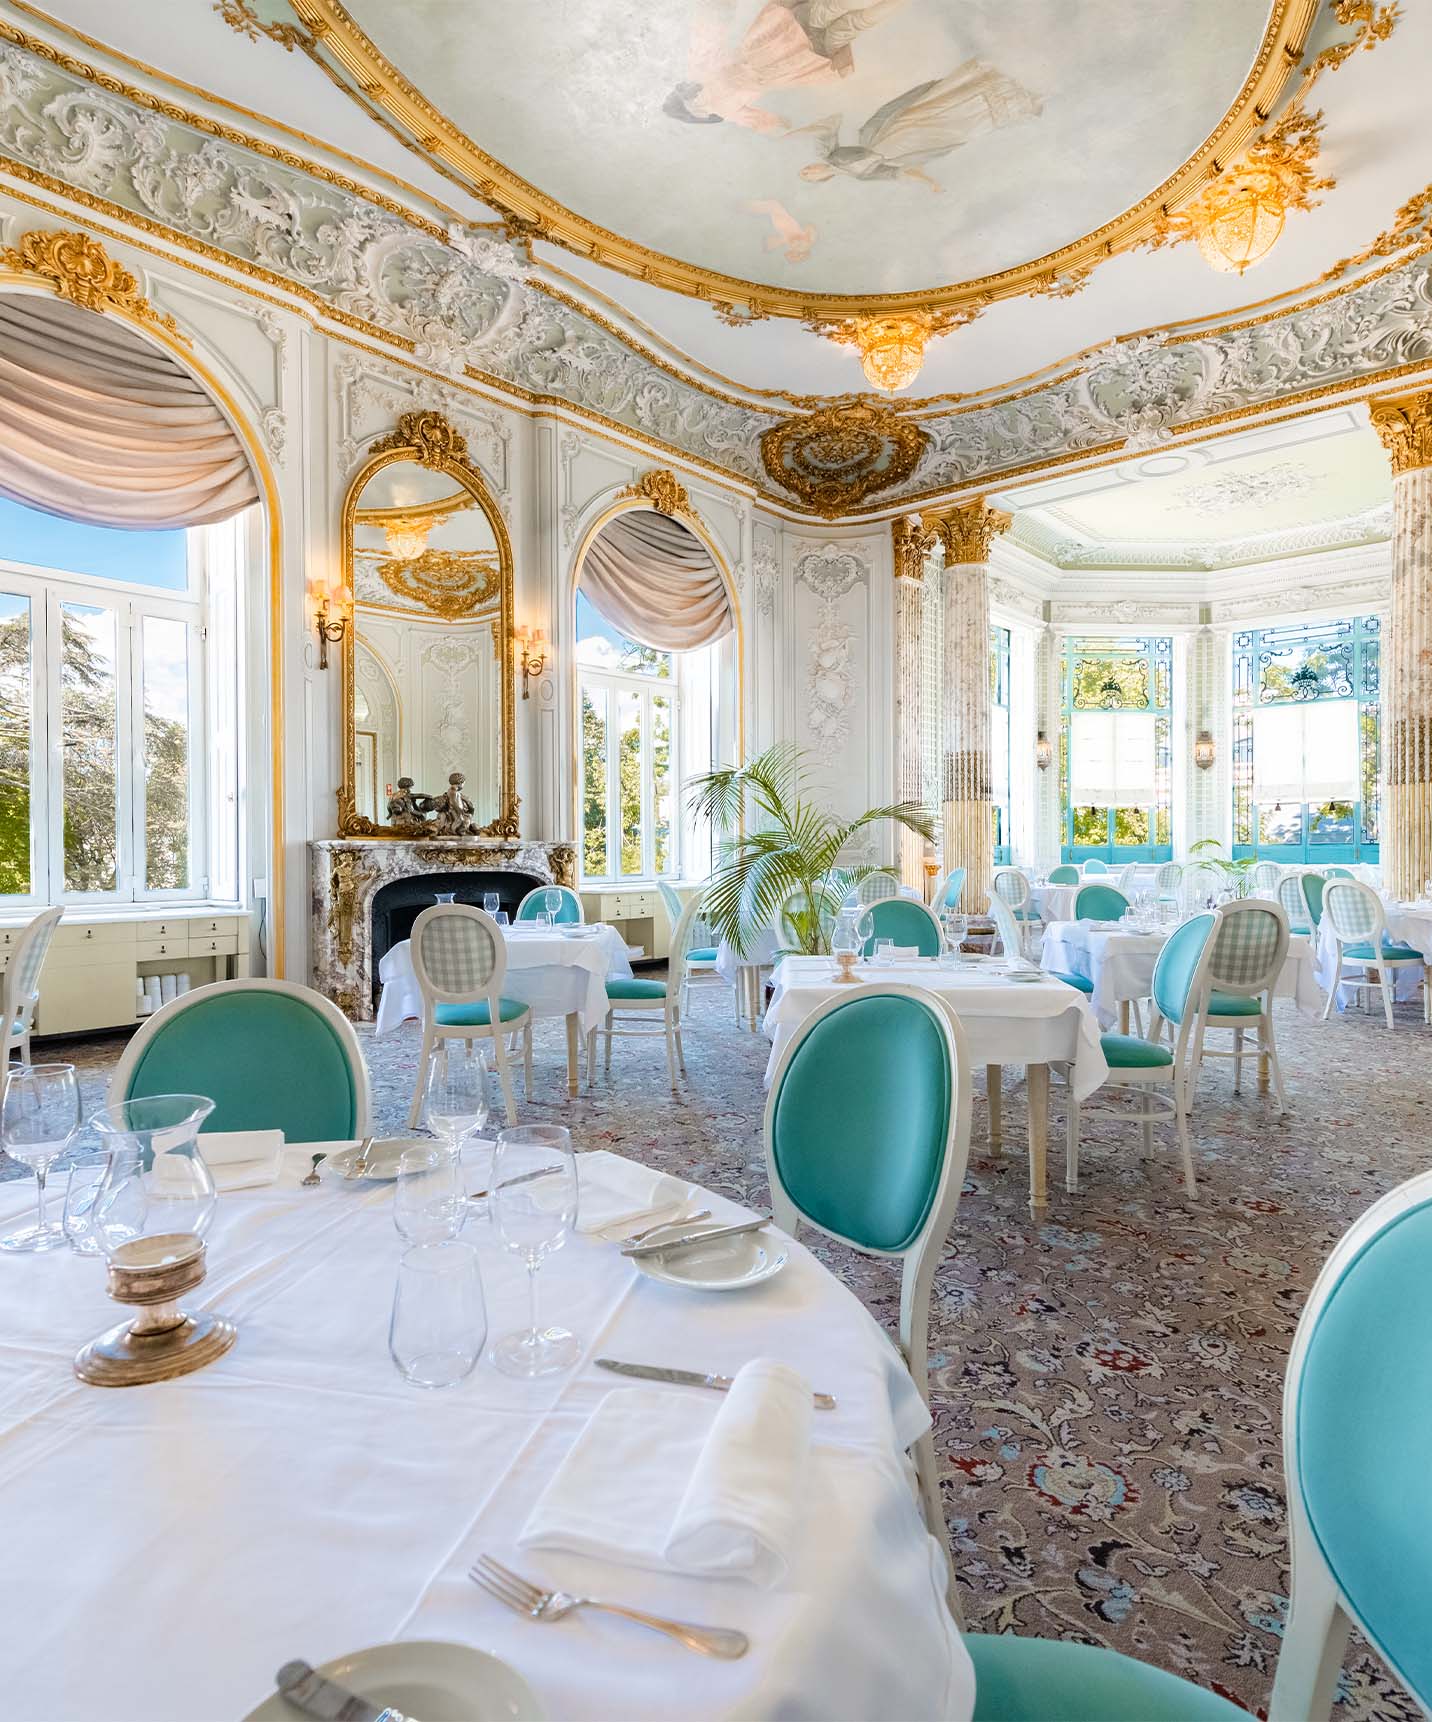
<point x="1107" y="1387"/>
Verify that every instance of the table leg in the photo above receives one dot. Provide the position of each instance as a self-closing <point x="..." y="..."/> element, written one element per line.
<point x="1123" y="1016"/>
<point x="1037" y="1096"/>
<point x="574" y="1030"/>
<point x="993" y="1078"/>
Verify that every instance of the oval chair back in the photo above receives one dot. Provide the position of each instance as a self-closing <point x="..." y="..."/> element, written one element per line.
<point x="458" y="956"/>
<point x="1359" y="1382"/>
<point x="1013" y="886"/>
<point x="949" y="897"/>
<point x="1100" y="903"/>
<point x="1166" y="881"/>
<point x="533" y="905"/>
<point x="904" y="921"/>
<point x="1355" y="911"/>
<point x="22" y="978"/>
<point x="1096" y="866"/>
<point x="1006" y="926"/>
<point x="1181" y="986"/>
<point x="1199" y="882"/>
<point x="1295" y="904"/>
<point x="1127" y="874"/>
<point x="1064" y="875"/>
<point x="271" y="1055"/>
<point x="1263" y="878"/>
<point x="683" y="937"/>
<point x="671" y="902"/>
<point x="1340" y="873"/>
<point x="1250" y="948"/>
<point x="1313" y="884"/>
<point x="875" y="888"/>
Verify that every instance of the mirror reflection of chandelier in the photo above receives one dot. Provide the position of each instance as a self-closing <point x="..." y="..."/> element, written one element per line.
<point x="408" y="538"/>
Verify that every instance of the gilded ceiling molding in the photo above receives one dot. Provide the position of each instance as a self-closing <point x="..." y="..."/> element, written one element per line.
<point x="447" y="583"/>
<point x="1405" y="428"/>
<point x="833" y="459"/>
<point x="661" y="490"/>
<point x="967" y="531"/>
<point x="79" y="269"/>
<point x="241" y="17"/>
<point x="430" y="438"/>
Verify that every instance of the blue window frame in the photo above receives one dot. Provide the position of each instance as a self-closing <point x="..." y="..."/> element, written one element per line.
<point x="999" y="734"/>
<point x="1307" y="663"/>
<point x="1114" y="677"/>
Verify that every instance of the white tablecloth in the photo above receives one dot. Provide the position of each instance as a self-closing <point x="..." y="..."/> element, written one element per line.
<point x="762" y="950"/>
<point x="1121" y="965"/>
<point x="1005" y="1022"/>
<point x="553" y="973"/>
<point x="298" y="1498"/>
<point x="1053" y="902"/>
<point x="1407" y="924"/>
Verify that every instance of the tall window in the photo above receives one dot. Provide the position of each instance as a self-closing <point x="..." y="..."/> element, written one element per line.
<point x="1306" y="740"/>
<point x="1116" y="749"/>
<point x="102" y="712"/>
<point x="630" y="710"/>
<point x="999" y="740"/>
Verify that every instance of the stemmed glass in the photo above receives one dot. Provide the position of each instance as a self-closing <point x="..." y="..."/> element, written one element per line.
<point x="439" y="1323"/>
<point x="534" y="1206"/>
<point x="38" y="1119"/>
<point x="429" y="1203"/>
<point x="458" y="1096"/>
<point x="552" y="903"/>
<point x="491" y="902"/>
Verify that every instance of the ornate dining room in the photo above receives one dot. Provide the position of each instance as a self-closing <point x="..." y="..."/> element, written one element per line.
<point x="883" y="549"/>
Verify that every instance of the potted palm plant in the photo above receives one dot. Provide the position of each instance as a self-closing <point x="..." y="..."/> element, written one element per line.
<point x="1208" y="852"/>
<point x="780" y="851"/>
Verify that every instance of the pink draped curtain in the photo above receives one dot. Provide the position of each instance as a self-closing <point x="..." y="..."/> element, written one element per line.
<point x="656" y="582"/>
<point x="100" y="426"/>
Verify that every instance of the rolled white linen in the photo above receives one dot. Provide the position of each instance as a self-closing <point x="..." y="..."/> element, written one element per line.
<point x="662" y="1479"/>
<point x="241" y="1159"/>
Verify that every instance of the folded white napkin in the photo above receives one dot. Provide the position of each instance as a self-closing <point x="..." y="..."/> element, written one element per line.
<point x="665" y="1480"/>
<point x="611" y="1189"/>
<point x="240" y="1159"/>
<point x="898" y="954"/>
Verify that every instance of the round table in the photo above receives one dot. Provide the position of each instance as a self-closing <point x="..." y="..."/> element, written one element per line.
<point x="299" y="1499"/>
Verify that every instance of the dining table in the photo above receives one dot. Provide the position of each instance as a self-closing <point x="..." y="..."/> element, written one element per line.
<point x="1407" y="924"/>
<point x="1119" y="960"/>
<point x="559" y="971"/>
<point x="1035" y="1024"/>
<point x="168" y="1547"/>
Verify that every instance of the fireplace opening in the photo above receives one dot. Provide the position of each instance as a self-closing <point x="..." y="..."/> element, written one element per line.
<point x="398" y="904"/>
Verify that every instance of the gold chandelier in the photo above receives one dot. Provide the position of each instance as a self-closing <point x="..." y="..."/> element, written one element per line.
<point x="407" y="538"/>
<point x="1240" y="224"/>
<point x="892" y="349"/>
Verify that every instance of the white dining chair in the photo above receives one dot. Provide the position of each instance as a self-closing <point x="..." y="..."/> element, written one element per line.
<point x="1249" y="951"/>
<point x="700" y="956"/>
<point x="1011" y="885"/>
<point x="1124" y="879"/>
<point x="876" y="888"/>
<point x="1263" y="877"/>
<point x="867" y="1133"/>
<point x="631" y="1004"/>
<point x="1166" y="881"/>
<point x="1359" y="924"/>
<point x="460" y="962"/>
<point x="1295" y="904"/>
<point x="22" y="982"/>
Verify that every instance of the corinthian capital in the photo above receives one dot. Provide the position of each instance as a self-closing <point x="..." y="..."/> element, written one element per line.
<point x="968" y="529"/>
<point x="1405" y="426"/>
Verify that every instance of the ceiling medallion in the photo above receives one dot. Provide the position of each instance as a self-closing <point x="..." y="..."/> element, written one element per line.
<point x="79" y="269"/>
<point x="833" y="459"/>
<point x="450" y="583"/>
<point x="661" y="490"/>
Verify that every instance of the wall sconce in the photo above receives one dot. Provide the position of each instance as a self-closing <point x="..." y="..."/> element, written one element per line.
<point x="329" y="623"/>
<point x="1043" y="751"/>
<point x="1203" y="750"/>
<point x="532" y="642"/>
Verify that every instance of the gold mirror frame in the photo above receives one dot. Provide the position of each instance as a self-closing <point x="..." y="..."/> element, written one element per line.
<point x="428" y="439"/>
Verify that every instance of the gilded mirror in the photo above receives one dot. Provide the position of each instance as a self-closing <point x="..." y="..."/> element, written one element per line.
<point x="427" y="661"/>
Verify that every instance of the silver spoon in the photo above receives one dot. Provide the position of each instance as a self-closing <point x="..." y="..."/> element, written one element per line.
<point x="312" y="1177"/>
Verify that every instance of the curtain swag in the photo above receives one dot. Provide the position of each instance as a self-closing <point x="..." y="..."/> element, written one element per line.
<point x="656" y="582"/>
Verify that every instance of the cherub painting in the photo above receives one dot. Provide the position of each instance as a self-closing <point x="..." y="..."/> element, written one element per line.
<point x="787" y="44"/>
<point x="793" y="241"/>
<point x="926" y="122"/>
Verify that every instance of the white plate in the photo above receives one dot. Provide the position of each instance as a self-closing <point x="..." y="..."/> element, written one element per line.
<point x="729" y="1264"/>
<point x="438" y="1682"/>
<point x="383" y="1158"/>
<point x="1025" y="975"/>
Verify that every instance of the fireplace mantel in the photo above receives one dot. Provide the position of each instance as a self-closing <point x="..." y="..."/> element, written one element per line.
<point x="348" y="871"/>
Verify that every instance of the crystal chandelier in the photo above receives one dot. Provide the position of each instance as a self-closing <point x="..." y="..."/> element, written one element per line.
<point x="407" y="539"/>
<point x="892" y="349"/>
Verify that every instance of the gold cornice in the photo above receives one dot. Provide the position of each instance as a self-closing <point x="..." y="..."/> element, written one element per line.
<point x="78" y="268"/>
<point x="339" y="41"/>
<point x="662" y="490"/>
<point x="1404" y="425"/>
<point x="968" y="530"/>
<point x="457" y="503"/>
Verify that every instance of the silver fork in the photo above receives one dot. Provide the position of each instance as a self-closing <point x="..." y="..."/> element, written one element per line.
<point x="524" y="1598"/>
<point x="680" y="1220"/>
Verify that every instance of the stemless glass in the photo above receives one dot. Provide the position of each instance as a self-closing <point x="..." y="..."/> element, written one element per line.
<point x="157" y="1181"/>
<point x="38" y="1119"/>
<point x="81" y="1193"/>
<point x="429" y="1203"/>
<point x="502" y="918"/>
<point x="552" y="903"/>
<point x="439" y="1323"/>
<point x="534" y="1206"/>
<point x="542" y="919"/>
<point x="458" y="1096"/>
<point x="491" y="902"/>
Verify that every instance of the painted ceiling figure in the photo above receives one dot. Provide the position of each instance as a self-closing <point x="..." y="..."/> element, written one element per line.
<point x="924" y="123"/>
<point x="788" y="43"/>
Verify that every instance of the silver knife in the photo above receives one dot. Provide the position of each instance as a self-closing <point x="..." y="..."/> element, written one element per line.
<point x="684" y="1242"/>
<point x="690" y="1378"/>
<point x="326" y="1700"/>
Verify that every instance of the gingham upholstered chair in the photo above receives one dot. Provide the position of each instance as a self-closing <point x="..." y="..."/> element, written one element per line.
<point x="1263" y="878"/>
<point x="876" y="888"/>
<point x="1127" y="874"/>
<point x="1249" y="951"/>
<point x="22" y="982"/>
<point x="1295" y="904"/>
<point x="1012" y="885"/>
<point x="1166" y="881"/>
<point x="1359" y="925"/>
<point x="460" y="961"/>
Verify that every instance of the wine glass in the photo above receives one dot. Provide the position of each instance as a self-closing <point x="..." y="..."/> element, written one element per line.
<point x="957" y="929"/>
<point x="552" y="903"/>
<point x="491" y="902"/>
<point x="429" y="1203"/>
<point x="38" y="1118"/>
<point x="157" y="1181"/>
<point x="458" y="1096"/>
<point x="439" y="1322"/>
<point x="534" y="1206"/>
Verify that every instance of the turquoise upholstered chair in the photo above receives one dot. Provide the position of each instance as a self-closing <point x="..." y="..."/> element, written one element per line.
<point x="534" y="904"/>
<point x="1359" y="924"/>
<point x="1013" y="945"/>
<point x="867" y="1136"/>
<point x="632" y="1003"/>
<point x="1100" y="903"/>
<point x="903" y="920"/>
<point x="1064" y="875"/>
<point x="1163" y="1076"/>
<point x="460" y="960"/>
<point x="1295" y="904"/>
<point x="1357" y="1405"/>
<point x="701" y="956"/>
<point x="949" y="897"/>
<point x="1312" y="884"/>
<point x="1096" y="866"/>
<point x="1340" y="873"/>
<point x="22" y="983"/>
<point x="271" y="1055"/>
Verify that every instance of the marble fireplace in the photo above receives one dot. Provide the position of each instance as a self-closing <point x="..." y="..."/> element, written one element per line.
<point x="368" y="891"/>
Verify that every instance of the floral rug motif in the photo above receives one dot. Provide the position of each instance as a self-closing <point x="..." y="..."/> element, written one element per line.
<point x="1107" y="1387"/>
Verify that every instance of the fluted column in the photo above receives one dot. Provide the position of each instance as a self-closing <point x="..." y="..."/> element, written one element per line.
<point x="1405" y="426"/>
<point x="911" y="541"/>
<point x="966" y="533"/>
